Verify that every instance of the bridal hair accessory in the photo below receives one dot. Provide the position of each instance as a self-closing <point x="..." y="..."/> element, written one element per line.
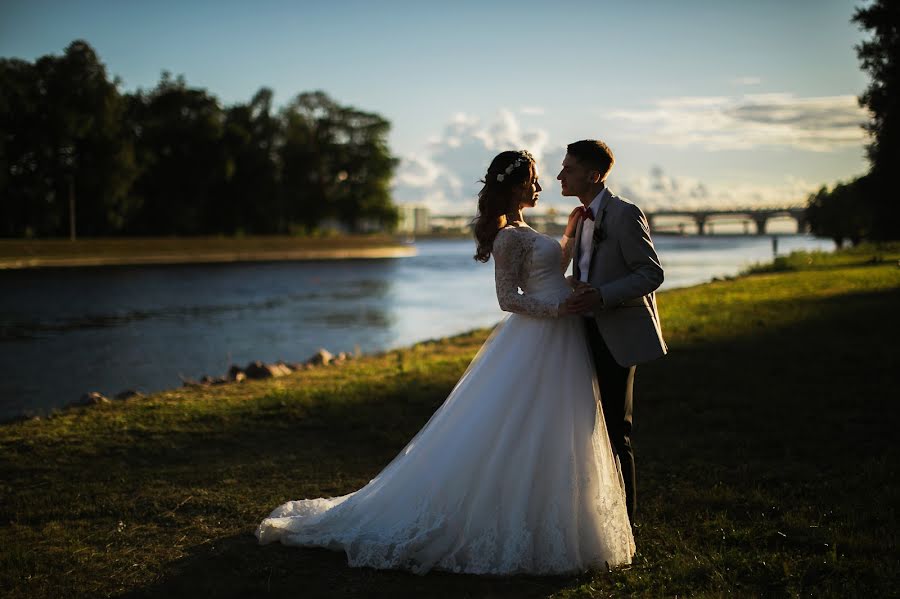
<point x="518" y="162"/>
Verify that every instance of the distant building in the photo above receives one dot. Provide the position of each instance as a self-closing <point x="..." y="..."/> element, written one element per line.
<point x="414" y="220"/>
<point x="453" y="225"/>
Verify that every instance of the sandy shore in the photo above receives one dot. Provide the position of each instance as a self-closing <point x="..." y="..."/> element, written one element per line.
<point x="56" y="254"/>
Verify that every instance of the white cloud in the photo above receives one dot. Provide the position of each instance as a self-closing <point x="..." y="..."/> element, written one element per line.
<point x="748" y="80"/>
<point x="715" y="123"/>
<point x="445" y="177"/>
<point x="531" y="110"/>
<point x="416" y="171"/>
<point x="658" y="190"/>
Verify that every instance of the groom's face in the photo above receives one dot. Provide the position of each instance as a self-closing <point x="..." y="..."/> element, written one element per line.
<point x="574" y="178"/>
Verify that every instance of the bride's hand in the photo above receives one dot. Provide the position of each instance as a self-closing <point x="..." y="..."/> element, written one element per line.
<point x="573" y="221"/>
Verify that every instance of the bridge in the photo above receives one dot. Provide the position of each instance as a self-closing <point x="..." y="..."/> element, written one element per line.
<point x="554" y="221"/>
<point x="705" y="218"/>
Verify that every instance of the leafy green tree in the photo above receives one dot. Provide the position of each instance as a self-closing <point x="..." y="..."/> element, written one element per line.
<point x="177" y="134"/>
<point x="842" y="213"/>
<point x="335" y="163"/>
<point x="62" y="138"/>
<point x="172" y="161"/>
<point x="880" y="56"/>
<point x="249" y="201"/>
<point x="26" y="207"/>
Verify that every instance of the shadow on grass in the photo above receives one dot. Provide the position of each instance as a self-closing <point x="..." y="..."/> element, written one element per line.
<point x="238" y="567"/>
<point x="765" y="463"/>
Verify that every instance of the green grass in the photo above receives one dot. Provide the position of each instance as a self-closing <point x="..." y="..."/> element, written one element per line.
<point x="765" y="447"/>
<point x="866" y="253"/>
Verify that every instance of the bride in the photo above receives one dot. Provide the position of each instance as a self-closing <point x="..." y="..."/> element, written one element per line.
<point x="514" y="472"/>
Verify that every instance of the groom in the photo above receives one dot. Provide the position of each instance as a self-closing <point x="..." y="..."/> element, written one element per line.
<point x="615" y="273"/>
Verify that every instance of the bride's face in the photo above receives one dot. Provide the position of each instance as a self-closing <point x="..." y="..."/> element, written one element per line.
<point x="529" y="194"/>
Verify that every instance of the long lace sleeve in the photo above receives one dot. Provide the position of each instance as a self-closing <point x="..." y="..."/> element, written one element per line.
<point x="511" y="250"/>
<point x="567" y="244"/>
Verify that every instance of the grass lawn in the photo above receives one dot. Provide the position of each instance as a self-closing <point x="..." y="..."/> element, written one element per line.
<point x="765" y="449"/>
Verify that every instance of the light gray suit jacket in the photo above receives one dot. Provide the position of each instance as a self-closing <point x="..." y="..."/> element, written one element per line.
<point x="625" y="268"/>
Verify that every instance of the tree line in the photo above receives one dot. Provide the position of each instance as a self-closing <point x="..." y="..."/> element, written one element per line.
<point x="866" y="208"/>
<point x="76" y="152"/>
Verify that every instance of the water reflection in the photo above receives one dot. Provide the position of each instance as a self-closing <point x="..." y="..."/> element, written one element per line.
<point x="64" y="332"/>
<point x="39" y="325"/>
<point x="367" y="317"/>
<point x="27" y="329"/>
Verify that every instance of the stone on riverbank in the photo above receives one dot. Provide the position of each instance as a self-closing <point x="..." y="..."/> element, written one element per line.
<point x="258" y="370"/>
<point x="323" y="357"/>
<point x="90" y="399"/>
<point x="236" y="373"/>
<point x="284" y="367"/>
<point x="128" y="394"/>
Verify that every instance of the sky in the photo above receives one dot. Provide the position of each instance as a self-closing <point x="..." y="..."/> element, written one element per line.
<point x="706" y="104"/>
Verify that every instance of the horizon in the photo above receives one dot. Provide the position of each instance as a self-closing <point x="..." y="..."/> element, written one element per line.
<point x="704" y="106"/>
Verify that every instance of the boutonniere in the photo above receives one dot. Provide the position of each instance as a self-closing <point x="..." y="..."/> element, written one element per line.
<point x="600" y="228"/>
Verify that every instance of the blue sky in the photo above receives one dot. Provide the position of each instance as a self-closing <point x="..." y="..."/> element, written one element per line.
<point x="705" y="103"/>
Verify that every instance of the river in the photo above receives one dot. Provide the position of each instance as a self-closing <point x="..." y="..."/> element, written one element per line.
<point x="64" y="332"/>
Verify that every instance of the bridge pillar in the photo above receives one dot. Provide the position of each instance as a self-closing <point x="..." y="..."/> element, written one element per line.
<point x="700" y="219"/>
<point x="802" y="224"/>
<point x="760" y="224"/>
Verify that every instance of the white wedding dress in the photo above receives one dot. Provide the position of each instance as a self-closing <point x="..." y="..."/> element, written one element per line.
<point x="513" y="473"/>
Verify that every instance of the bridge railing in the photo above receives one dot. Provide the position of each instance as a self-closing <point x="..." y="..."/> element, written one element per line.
<point x="704" y="218"/>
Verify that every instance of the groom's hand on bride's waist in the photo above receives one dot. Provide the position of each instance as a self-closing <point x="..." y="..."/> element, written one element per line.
<point x="584" y="299"/>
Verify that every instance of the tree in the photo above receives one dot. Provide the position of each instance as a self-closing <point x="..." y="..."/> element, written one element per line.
<point x="23" y="187"/>
<point x="249" y="201"/>
<point x="172" y="161"/>
<point x="177" y="134"/>
<point x="843" y="213"/>
<point x="62" y="137"/>
<point x="880" y="56"/>
<point x="335" y="163"/>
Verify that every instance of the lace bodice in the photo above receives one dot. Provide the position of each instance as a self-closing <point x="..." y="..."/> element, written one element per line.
<point x="527" y="260"/>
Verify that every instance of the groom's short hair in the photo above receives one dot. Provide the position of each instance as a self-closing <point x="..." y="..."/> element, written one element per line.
<point x="593" y="154"/>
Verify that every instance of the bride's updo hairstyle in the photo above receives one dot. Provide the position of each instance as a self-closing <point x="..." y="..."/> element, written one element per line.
<point x="508" y="171"/>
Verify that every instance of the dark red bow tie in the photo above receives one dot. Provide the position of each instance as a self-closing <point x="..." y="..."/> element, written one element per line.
<point x="586" y="213"/>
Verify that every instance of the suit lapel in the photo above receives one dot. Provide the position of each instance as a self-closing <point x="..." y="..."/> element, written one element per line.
<point x="576" y="271"/>
<point x="598" y="224"/>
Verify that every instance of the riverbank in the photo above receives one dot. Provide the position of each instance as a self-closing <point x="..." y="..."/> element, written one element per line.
<point x="18" y="254"/>
<point x="765" y="451"/>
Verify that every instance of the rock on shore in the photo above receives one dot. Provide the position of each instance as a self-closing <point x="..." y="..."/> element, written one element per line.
<point x="255" y="370"/>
